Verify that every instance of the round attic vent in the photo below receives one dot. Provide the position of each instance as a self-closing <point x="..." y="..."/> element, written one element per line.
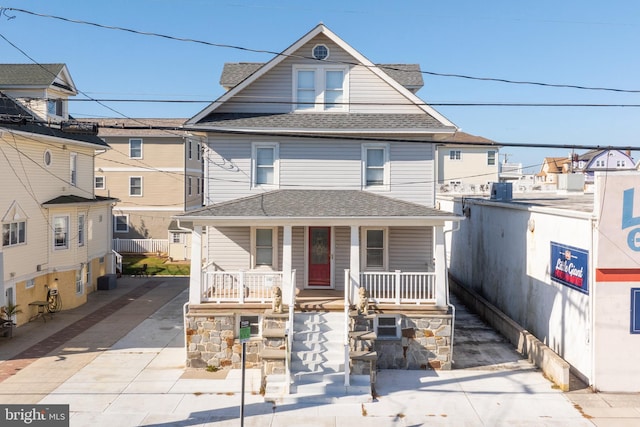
<point x="320" y="52"/>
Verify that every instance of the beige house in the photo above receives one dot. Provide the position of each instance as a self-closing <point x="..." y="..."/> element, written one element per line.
<point x="155" y="170"/>
<point x="56" y="232"/>
<point x="466" y="163"/>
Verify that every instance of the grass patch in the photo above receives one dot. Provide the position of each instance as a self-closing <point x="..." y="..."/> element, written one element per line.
<point x="156" y="266"/>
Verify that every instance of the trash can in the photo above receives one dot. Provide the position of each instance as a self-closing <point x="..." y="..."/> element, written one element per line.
<point x="106" y="282"/>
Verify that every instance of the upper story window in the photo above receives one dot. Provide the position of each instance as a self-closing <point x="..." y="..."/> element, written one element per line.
<point x="135" y="148"/>
<point x="54" y="107"/>
<point x="135" y="186"/>
<point x="265" y="164"/>
<point x="14" y="233"/>
<point x="47" y="158"/>
<point x="99" y="182"/>
<point x="189" y="186"/>
<point x="491" y="158"/>
<point x="73" y="169"/>
<point x="81" y="230"/>
<point x="375" y="158"/>
<point x="621" y="163"/>
<point x="320" y="88"/>
<point x="455" y="155"/>
<point x="190" y="149"/>
<point x="61" y="232"/>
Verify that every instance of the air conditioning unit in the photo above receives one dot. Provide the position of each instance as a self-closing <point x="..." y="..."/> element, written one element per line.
<point x="501" y="191"/>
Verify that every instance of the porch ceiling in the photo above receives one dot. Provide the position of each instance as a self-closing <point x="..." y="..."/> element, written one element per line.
<point x="318" y="207"/>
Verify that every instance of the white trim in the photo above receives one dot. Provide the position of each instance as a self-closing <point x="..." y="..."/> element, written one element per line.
<point x="140" y="169"/>
<point x="239" y="316"/>
<point x="82" y="234"/>
<point x="73" y="168"/>
<point x="120" y="208"/>
<point x="44" y="158"/>
<point x="385" y="249"/>
<point x="276" y="164"/>
<point x="387" y="316"/>
<point x="331" y="132"/>
<point x="320" y="85"/>
<point x="332" y="250"/>
<point x="115" y="223"/>
<point x="104" y="182"/>
<point x="68" y="232"/>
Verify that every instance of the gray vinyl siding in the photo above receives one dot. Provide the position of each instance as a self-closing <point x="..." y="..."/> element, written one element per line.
<point x="277" y="85"/>
<point x="319" y="164"/>
<point x="342" y="254"/>
<point x="410" y="248"/>
<point x="229" y="248"/>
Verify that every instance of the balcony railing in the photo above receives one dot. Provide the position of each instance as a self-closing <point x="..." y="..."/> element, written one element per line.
<point x="397" y="287"/>
<point x="240" y="286"/>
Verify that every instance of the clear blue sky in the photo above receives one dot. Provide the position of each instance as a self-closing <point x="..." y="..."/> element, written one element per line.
<point x="575" y="42"/>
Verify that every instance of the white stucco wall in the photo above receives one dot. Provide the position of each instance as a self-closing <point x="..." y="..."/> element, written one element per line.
<point x="496" y="254"/>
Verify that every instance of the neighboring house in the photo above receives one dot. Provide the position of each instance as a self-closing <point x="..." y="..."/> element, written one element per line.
<point x="322" y="172"/>
<point x="565" y="269"/>
<point x="551" y="168"/>
<point x="56" y="233"/>
<point x="601" y="161"/>
<point x="155" y="170"/>
<point x="466" y="163"/>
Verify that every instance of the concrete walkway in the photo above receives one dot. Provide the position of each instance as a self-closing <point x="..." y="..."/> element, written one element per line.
<point x="119" y="361"/>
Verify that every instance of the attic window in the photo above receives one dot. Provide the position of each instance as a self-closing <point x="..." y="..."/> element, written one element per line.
<point x="320" y="52"/>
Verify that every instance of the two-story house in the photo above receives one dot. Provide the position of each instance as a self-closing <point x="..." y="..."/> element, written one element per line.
<point x="155" y="170"/>
<point x="56" y="233"/>
<point x="321" y="168"/>
<point x="467" y="163"/>
<point x="601" y="161"/>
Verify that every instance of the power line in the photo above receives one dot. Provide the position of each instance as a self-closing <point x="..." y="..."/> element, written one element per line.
<point x="228" y="46"/>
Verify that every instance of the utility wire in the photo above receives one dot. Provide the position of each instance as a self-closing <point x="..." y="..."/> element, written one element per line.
<point x="228" y="46"/>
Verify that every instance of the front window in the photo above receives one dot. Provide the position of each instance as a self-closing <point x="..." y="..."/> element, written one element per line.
<point x="375" y="249"/>
<point x="135" y="148"/>
<point x="73" y="169"/>
<point x="491" y="158"/>
<point x="121" y="223"/>
<point x="455" y="155"/>
<point x="81" y="230"/>
<point x="99" y="183"/>
<point x="135" y="186"/>
<point x="189" y="186"/>
<point x="61" y="232"/>
<point x="264" y="251"/>
<point x="14" y="233"/>
<point x="376" y="164"/>
<point x="320" y="88"/>
<point x="265" y="164"/>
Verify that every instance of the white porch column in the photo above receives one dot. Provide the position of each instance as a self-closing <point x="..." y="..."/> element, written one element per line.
<point x="195" y="277"/>
<point x="354" y="263"/>
<point x="440" y="267"/>
<point x="287" y="286"/>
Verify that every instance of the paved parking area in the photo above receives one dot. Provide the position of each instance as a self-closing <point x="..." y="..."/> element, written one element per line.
<point x="126" y="367"/>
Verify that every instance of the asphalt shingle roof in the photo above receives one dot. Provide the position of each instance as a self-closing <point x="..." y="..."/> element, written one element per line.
<point x="29" y="74"/>
<point x="132" y="127"/>
<point x="330" y="121"/>
<point x="71" y="199"/>
<point x="316" y="204"/>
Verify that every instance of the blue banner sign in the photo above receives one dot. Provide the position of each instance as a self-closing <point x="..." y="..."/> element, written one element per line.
<point x="570" y="266"/>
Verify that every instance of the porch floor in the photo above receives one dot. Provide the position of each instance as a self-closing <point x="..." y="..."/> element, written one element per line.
<point x="319" y="300"/>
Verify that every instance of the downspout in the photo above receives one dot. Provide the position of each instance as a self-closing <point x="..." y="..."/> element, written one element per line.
<point x="456" y="227"/>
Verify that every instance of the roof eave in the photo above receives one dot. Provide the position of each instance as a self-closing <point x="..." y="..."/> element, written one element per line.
<point x="320" y="221"/>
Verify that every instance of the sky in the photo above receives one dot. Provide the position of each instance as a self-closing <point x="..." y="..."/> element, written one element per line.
<point x="571" y="42"/>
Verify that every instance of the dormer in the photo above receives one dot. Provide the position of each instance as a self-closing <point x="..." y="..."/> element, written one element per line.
<point x="44" y="89"/>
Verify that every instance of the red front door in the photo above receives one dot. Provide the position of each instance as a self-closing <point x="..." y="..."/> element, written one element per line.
<point x="320" y="256"/>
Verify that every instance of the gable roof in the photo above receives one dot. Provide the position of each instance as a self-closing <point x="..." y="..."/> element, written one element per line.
<point x="201" y="118"/>
<point x="555" y="164"/>
<point x="408" y="75"/>
<point x="14" y="117"/>
<point x="138" y="127"/>
<point x="18" y="76"/>
<point x="466" y="138"/>
<point x="328" y="204"/>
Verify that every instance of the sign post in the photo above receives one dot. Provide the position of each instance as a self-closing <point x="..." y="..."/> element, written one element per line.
<point x="245" y="334"/>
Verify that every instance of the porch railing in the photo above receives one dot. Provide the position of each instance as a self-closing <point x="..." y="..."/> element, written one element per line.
<point x="239" y="286"/>
<point x="397" y="287"/>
